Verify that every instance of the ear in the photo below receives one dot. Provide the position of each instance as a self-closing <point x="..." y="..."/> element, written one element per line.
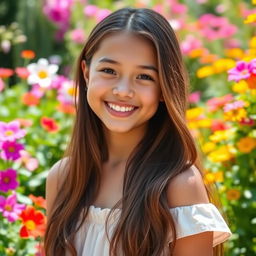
<point x="85" y="69"/>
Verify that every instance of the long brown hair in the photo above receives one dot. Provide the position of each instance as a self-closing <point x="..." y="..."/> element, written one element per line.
<point x="166" y="150"/>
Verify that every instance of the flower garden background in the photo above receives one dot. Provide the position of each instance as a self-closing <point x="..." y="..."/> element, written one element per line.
<point x="39" y="43"/>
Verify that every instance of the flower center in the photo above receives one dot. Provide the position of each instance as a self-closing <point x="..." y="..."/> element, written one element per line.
<point x="42" y="74"/>
<point x="71" y="91"/>
<point x="11" y="149"/>
<point x="8" y="133"/>
<point x="8" y="208"/>
<point x="6" y="180"/>
<point x="30" y="225"/>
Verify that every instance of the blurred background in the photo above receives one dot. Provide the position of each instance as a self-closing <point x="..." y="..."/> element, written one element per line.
<point x="40" y="41"/>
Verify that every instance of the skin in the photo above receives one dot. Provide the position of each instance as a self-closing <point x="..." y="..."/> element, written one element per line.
<point x="123" y="80"/>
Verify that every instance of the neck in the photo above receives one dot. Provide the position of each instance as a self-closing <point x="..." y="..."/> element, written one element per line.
<point x="121" y="145"/>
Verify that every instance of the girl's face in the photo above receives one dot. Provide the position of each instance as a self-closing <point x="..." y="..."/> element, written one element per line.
<point x="123" y="83"/>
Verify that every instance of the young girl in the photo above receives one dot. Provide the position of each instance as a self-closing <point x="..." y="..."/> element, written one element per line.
<point x="129" y="184"/>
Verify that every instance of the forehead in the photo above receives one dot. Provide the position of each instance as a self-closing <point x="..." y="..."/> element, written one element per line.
<point x="126" y="46"/>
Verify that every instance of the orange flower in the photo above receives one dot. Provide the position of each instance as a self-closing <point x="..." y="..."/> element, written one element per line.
<point x="6" y="72"/>
<point x="233" y="194"/>
<point x="49" y="124"/>
<point x="28" y="54"/>
<point x="33" y="223"/>
<point x="30" y="99"/>
<point x="38" y="201"/>
<point x="246" y="144"/>
<point x="66" y="108"/>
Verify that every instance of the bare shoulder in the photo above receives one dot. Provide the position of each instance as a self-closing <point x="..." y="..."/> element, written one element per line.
<point x="54" y="181"/>
<point x="187" y="188"/>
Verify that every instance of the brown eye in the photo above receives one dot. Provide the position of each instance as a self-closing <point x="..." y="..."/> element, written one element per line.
<point x="145" y="77"/>
<point x="108" y="71"/>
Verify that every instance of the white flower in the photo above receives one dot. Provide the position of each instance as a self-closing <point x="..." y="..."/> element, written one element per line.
<point x="42" y="72"/>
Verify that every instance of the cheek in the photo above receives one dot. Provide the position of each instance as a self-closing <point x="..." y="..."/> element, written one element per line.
<point x="151" y="97"/>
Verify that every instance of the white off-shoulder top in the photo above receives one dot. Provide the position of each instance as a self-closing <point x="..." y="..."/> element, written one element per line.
<point x="91" y="238"/>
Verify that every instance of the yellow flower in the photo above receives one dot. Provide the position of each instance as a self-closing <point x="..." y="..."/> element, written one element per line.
<point x="208" y="147"/>
<point x="235" y="115"/>
<point x="223" y="65"/>
<point x="250" y="18"/>
<point x="240" y="87"/>
<point x="253" y="1"/>
<point x="221" y="135"/>
<point x="193" y="113"/>
<point x="222" y="154"/>
<point x="204" y="123"/>
<point x="211" y="177"/>
<point x="233" y="194"/>
<point x="246" y="144"/>
<point x="235" y="53"/>
<point x="252" y="42"/>
<point x="205" y="71"/>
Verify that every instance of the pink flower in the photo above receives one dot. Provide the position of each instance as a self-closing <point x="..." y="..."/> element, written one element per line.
<point x="22" y="72"/>
<point x="252" y="66"/>
<point x="194" y="97"/>
<point x="215" y="103"/>
<point x="8" y="180"/>
<point x="234" y="105"/>
<point x="11" y="150"/>
<point x="78" y="35"/>
<point x="239" y="72"/>
<point x="179" y="8"/>
<point x="90" y="10"/>
<point x="1" y="84"/>
<point x="9" y="207"/>
<point x="30" y="163"/>
<point x="214" y="27"/>
<point x="190" y="43"/>
<point x="101" y="14"/>
<point x="11" y="131"/>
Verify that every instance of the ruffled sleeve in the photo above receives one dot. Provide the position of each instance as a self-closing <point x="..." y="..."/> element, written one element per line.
<point x="198" y="218"/>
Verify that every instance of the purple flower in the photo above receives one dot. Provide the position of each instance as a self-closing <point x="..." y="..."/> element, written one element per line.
<point x="241" y="71"/>
<point x="11" y="131"/>
<point x="9" y="207"/>
<point x="8" y="180"/>
<point x="11" y="150"/>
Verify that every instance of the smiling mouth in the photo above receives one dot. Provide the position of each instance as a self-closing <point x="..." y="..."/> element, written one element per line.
<point x="120" y="111"/>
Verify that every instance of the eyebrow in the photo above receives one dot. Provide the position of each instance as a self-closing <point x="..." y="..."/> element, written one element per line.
<point x="150" y="67"/>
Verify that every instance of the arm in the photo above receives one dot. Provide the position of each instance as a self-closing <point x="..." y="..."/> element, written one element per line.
<point x="53" y="182"/>
<point x="188" y="188"/>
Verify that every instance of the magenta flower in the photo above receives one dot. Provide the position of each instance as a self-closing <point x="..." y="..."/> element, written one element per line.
<point x="239" y="72"/>
<point x="252" y="66"/>
<point x="8" y="180"/>
<point x="11" y="131"/>
<point x="214" y="27"/>
<point x="9" y="207"/>
<point x="11" y="150"/>
<point x="234" y="105"/>
<point x="1" y="84"/>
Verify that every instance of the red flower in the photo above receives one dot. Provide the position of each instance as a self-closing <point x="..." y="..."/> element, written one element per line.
<point x="218" y="125"/>
<point x="33" y="223"/>
<point x="6" y="72"/>
<point x="22" y="72"/>
<point x="30" y="99"/>
<point x="251" y="81"/>
<point x="38" y="201"/>
<point x="49" y="124"/>
<point x="28" y="54"/>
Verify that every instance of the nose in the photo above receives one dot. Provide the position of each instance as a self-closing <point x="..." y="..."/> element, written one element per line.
<point x="124" y="89"/>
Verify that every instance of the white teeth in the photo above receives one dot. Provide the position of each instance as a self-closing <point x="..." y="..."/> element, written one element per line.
<point x="120" y="109"/>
